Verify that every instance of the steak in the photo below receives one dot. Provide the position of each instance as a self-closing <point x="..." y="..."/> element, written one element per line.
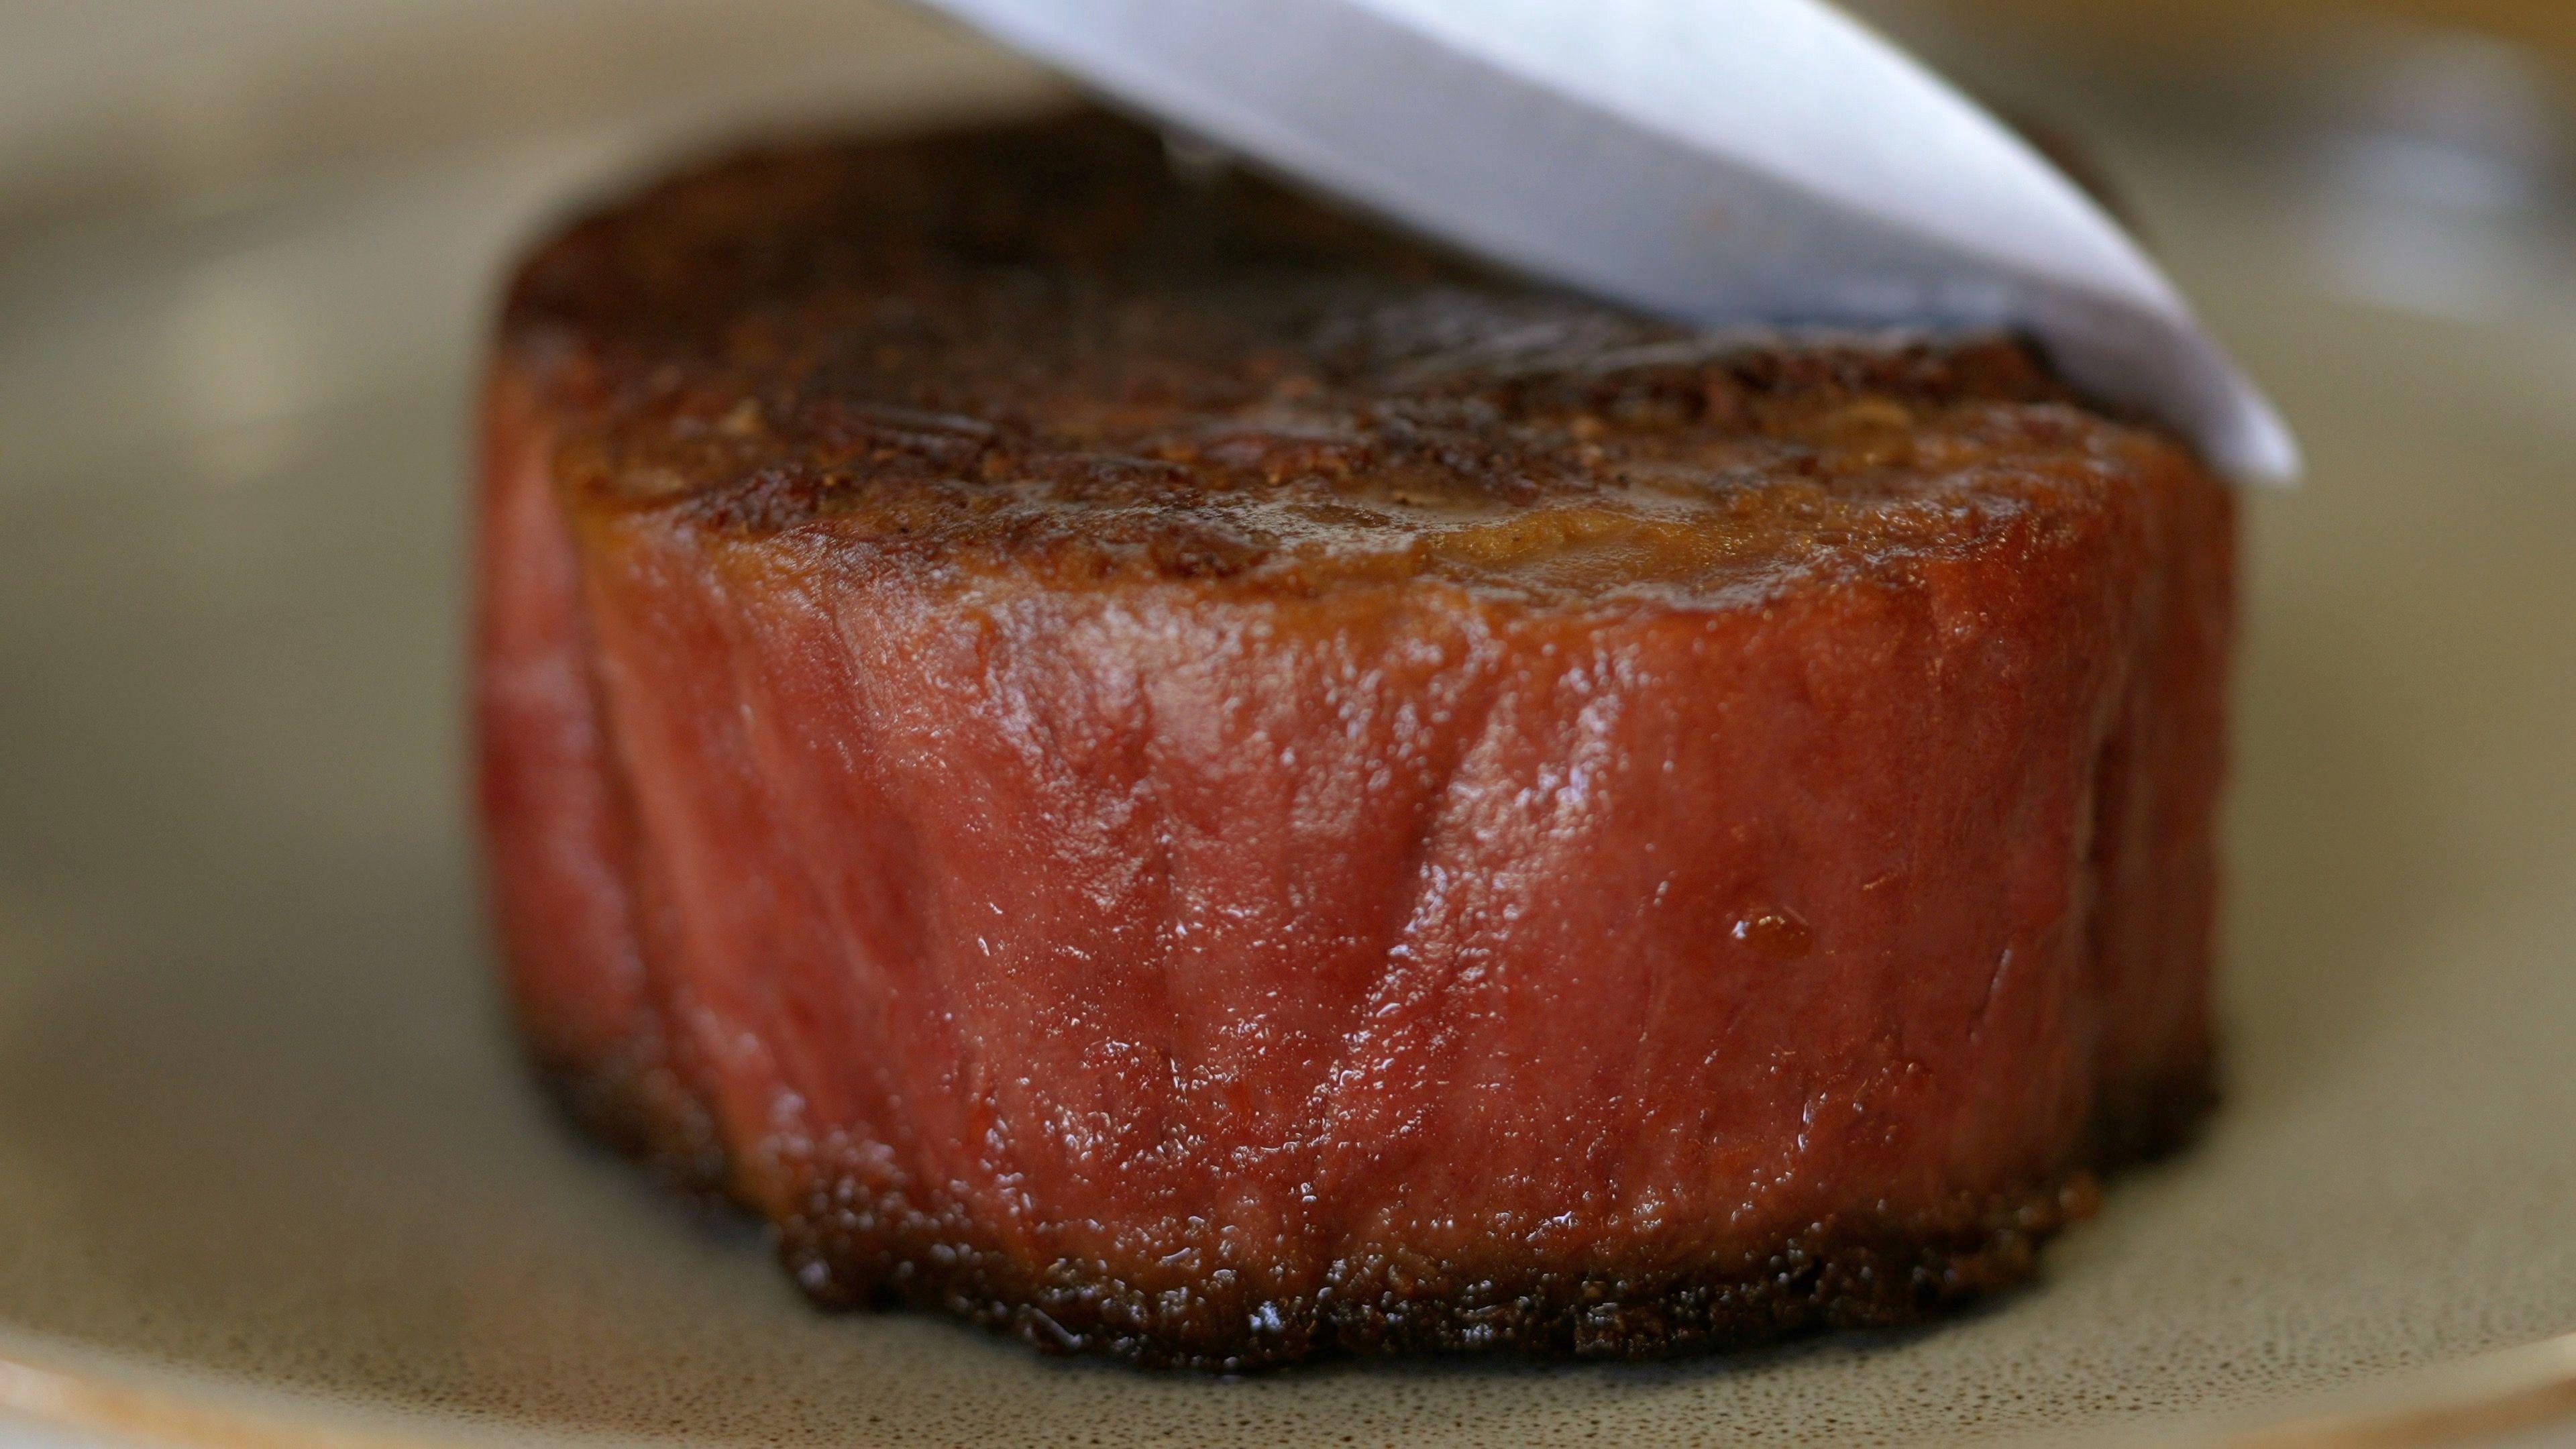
<point x="1130" y="757"/>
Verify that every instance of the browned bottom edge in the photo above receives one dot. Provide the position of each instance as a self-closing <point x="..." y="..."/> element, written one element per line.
<point x="853" y="1252"/>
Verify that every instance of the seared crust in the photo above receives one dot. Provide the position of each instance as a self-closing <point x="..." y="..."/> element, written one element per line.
<point x="1039" y="353"/>
<point x="847" y="1250"/>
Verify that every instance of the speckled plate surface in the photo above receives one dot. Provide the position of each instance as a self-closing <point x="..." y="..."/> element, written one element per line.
<point x="270" y="1172"/>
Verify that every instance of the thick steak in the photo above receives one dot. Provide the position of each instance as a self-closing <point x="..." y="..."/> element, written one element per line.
<point x="1121" y="754"/>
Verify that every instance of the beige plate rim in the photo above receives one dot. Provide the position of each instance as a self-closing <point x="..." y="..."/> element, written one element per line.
<point x="2503" y="1391"/>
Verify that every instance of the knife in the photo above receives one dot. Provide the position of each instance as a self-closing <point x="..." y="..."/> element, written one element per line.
<point x="1718" y="162"/>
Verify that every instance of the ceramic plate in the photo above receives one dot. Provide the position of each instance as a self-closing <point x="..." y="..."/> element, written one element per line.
<point x="270" y="1171"/>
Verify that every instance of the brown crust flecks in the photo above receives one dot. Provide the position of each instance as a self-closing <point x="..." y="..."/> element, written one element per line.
<point x="1039" y="351"/>
<point x="847" y="1251"/>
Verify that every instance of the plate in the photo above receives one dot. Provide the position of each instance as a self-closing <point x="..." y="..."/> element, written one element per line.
<point x="270" y="1170"/>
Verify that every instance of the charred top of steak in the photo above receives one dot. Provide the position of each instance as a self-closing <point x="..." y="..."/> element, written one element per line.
<point x="1040" y="347"/>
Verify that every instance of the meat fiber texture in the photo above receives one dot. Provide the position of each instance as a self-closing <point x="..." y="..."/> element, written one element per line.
<point x="1122" y="755"/>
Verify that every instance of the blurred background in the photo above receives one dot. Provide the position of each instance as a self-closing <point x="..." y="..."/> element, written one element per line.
<point x="106" y="100"/>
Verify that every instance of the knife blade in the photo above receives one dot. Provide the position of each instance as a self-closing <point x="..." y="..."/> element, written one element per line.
<point x="1718" y="162"/>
